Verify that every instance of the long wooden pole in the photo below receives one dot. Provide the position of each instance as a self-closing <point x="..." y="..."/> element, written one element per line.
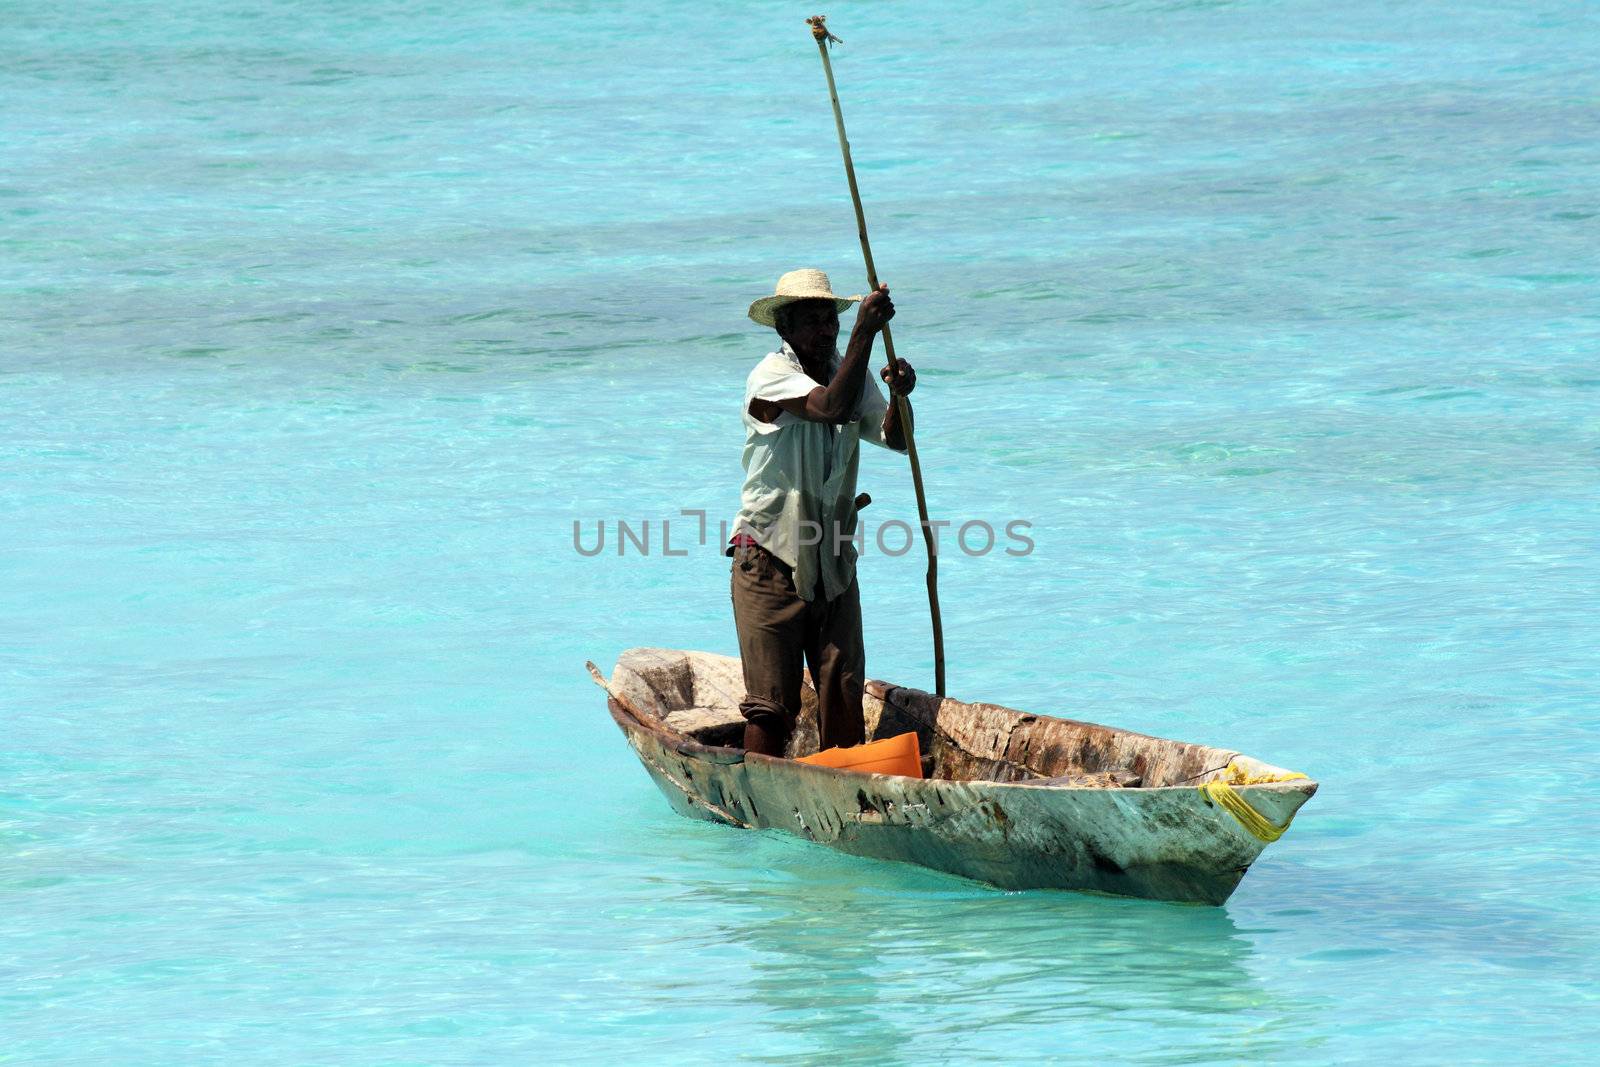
<point x="823" y="38"/>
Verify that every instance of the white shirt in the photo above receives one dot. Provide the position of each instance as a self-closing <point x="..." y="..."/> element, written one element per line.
<point x="799" y="496"/>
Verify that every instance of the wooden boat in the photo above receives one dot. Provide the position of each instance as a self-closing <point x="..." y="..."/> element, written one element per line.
<point x="1017" y="800"/>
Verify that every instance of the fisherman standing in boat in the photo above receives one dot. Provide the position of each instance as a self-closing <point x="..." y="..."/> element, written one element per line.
<point x="795" y="598"/>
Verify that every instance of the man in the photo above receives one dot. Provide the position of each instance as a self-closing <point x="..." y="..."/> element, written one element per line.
<point x="794" y="559"/>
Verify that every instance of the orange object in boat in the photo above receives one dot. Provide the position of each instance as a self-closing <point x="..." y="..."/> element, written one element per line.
<point x="893" y="755"/>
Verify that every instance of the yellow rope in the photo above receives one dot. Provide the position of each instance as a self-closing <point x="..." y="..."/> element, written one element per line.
<point x="1221" y="793"/>
<point x="1237" y="775"/>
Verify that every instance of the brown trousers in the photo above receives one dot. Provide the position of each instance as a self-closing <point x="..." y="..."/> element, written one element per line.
<point x="777" y="629"/>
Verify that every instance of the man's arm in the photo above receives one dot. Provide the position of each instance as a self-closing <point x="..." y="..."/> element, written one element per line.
<point x="900" y="384"/>
<point x="836" y="401"/>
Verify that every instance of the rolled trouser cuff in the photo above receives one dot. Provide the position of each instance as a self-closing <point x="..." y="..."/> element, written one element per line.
<point x="766" y="713"/>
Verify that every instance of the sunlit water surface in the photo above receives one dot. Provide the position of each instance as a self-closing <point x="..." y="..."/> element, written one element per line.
<point x="324" y="322"/>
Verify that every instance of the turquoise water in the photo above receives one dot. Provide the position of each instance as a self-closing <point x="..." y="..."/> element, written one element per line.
<point x="323" y="322"/>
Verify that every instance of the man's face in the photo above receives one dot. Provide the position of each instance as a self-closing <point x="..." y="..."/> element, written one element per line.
<point x="812" y="326"/>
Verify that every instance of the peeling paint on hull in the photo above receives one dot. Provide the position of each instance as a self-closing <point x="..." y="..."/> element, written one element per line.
<point x="1167" y="843"/>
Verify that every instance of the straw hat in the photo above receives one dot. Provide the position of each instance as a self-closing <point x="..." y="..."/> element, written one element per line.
<point x="803" y="284"/>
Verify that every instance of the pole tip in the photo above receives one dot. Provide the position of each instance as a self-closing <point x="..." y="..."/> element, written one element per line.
<point x="819" y="30"/>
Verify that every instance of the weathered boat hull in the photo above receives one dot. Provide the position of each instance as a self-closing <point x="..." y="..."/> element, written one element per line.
<point x="1170" y="843"/>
